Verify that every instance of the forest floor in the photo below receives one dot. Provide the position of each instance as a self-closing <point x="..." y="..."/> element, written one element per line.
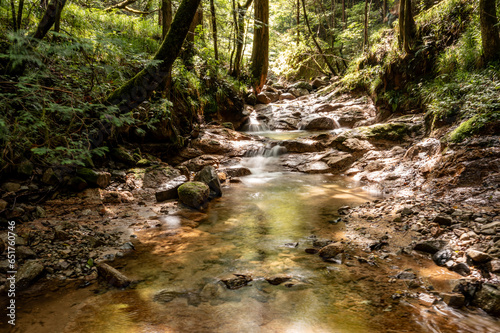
<point x="433" y="201"/>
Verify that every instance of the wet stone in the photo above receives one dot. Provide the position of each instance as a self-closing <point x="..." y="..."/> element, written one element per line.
<point x="461" y="268"/>
<point x="443" y="220"/>
<point x="406" y="275"/>
<point x="239" y="281"/>
<point x="431" y="246"/>
<point x="478" y="256"/>
<point x="455" y="300"/>
<point x="278" y="279"/>
<point x="442" y="256"/>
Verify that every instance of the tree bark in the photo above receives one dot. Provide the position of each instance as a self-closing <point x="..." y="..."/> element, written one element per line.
<point x="49" y="18"/>
<point x="140" y="87"/>
<point x="259" y="62"/>
<point x="384" y="9"/>
<point x="166" y="17"/>
<point x="214" y="28"/>
<point x="344" y="20"/>
<point x="13" y="10"/>
<point x="314" y="40"/>
<point x="57" y="23"/>
<point x="489" y="31"/>
<point x="240" y="36"/>
<point x="298" y="22"/>
<point x="406" y="26"/>
<point x="20" y="14"/>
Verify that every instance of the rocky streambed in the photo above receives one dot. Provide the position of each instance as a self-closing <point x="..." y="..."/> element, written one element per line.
<point x="382" y="209"/>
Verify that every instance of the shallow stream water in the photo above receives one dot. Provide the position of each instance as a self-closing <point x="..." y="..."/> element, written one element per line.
<point x="259" y="229"/>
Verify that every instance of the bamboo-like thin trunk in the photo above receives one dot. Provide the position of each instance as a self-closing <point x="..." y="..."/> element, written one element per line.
<point x="20" y="14"/>
<point x="214" y="28"/>
<point x="315" y="41"/>
<point x="13" y="9"/>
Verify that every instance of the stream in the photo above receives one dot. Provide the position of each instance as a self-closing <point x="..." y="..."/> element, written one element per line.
<point x="258" y="230"/>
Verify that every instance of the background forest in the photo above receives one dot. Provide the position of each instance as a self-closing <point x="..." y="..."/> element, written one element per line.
<point x="55" y="84"/>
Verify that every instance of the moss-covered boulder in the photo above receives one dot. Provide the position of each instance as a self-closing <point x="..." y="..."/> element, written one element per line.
<point x="122" y="155"/>
<point x="194" y="194"/>
<point x="95" y="178"/>
<point x="25" y="169"/>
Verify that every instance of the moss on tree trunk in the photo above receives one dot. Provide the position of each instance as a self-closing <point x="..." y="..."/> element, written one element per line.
<point x="140" y="87"/>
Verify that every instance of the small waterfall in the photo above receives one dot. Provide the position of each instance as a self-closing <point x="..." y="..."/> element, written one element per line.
<point x="254" y="125"/>
<point x="267" y="151"/>
<point x="263" y="163"/>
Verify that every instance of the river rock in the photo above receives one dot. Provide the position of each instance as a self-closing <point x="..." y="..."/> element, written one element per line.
<point x="3" y="204"/>
<point x="488" y="299"/>
<point x="287" y="96"/>
<point x="24" y="253"/>
<point x="320" y="124"/>
<point x="267" y="97"/>
<point x="238" y="172"/>
<point x="331" y="250"/>
<point x="406" y="275"/>
<point x="443" y="220"/>
<point x="339" y="161"/>
<point x="430" y="246"/>
<point x="478" y="256"/>
<point x="122" y="155"/>
<point x="442" y="256"/>
<point x="302" y="85"/>
<point x="300" y="146"/>
<point x="11" y="187"/>
<point x="461" y="268"/>
<point x="169" y="190"/>
<point x="25" y="169"/>
<point x="240" y="280"/>
<point x="28" y="272"/>
<point x="327" y="107"/>
<point x="455" y="300"/>
<point x="318" y="83"/>
<point x="97" y="178"/>
<point x="194" y="194"/>
<point x="298" y="92"/>
<point x="166" y="295"/>
<point x="159" y="176"/>
<point x="208" y="175"/>
<point x="278" y="279"/>
<point x="112" y="276"/>
<point x="2" y="246"/>
<point x="493" y="266"/>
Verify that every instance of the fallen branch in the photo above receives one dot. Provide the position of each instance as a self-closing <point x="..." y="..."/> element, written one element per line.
<point x="120" y="5"/>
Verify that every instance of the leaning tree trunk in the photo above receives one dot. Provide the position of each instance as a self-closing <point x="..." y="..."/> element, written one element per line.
<point x="406" y="26"/>
<point x="259" y="62"/>
<point x="140" y="87"/>
<point x="49" y="18"/>
<point x="315" y="41"/>
<point x="489" y="30"/>
<point x="240" y="36"/>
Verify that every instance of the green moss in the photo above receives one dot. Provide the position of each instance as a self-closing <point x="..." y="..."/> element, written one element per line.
<point x="473" y="126"/>
<point x="389" y="131"/>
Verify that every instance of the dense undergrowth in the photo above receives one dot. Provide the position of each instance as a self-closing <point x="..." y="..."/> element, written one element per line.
<point x="54" y="112"/>
<point x="444" y="77"/>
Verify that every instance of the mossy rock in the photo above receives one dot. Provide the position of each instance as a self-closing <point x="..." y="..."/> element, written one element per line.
<point x="25" y="168"/>
<point x="302" y="85"/>
<point x="143" y="162"/>
<point x="194" y="194"/>
<point x="96" y="178"/>
<point x="390" y="131"/>
<point x="122" y="155"/>
<point x="228" y="125"/>
<point x="77" y="184"/>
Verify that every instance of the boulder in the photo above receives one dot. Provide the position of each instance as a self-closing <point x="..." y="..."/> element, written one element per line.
<point x="240" y="280"/>
<point x="430" y="246"/>
<point x="11" y="187"/>
<point x="28" y="273"/>
<point x="158" y="176"/>
<point x="339" y="162"/>
<point x="299" y="92"/>
<point x="208" y="175"/>
<point x="287" y="96"/>
<point x="442" y="256"/>
<point x="168" y="191"/>
<point x="461" y="268"/>
<point x="327" y="107"/>
<point x="478" y="256"/>
<point x="194" y="194"/>
<point x="278" y="279"/>
<point x="267" y="97"/>
<point x="331" y="250"/>
<point x="25" y="169"/>
<point x="96" y="178"/>
<point x="488" y="299"/>
<point x="442" y="219"/>
<point x="300" y="146"/>
<point x="238" y="172"/>
<point x="455" y="300"/>
<point x="320" y="124"/>
<point x="318" y="83"/>
<point x="112" y="276"/>
<point x="122" y="155"/>
<point x="49" y="177"/>
<point x="302" y="85"/>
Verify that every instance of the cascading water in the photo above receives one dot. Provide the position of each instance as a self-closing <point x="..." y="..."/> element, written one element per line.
<point x="254" y="125"/>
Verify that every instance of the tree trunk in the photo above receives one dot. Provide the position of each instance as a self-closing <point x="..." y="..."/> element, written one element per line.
<point x="489" y="31"/>
<point x="298" y="22"/>
<point x="13" y="9"/>
<point x="334" y="7"/>
<point x="240" y="36"/>
<point x="49" y="18"/>
<point x="314" y="39"/>
<point x="406" y="26"/>
<point x="259" y="62"/>
<point x="141" y="86"/>
<point x="235" y="34"/>
<point x="384" y="9"/>
<point x="57" y="23"/>
<point x="214" y="28"/>
<point x="166" y="17"/>
<point x="344" y="19"/>
<point x="20" y="14"/>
